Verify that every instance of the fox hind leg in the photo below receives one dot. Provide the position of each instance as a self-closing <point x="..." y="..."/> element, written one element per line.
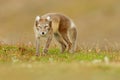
<point x="73" y="36"/>
<point x="61" y="41"/>
<point x="67" y="40"/>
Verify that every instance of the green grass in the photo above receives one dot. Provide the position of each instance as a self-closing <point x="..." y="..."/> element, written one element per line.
<point x="19" y="62"/>
<point x="57" y="71"/>
<point x="26" y="53"/>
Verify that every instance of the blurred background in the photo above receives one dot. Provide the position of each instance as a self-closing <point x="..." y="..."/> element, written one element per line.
<point x="98" y="21"/>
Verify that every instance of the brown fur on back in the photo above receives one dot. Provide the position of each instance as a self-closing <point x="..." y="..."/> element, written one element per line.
<point x="59" y="21"/>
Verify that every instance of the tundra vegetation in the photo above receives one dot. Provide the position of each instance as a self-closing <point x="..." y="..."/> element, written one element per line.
<point x="18" y="61"/>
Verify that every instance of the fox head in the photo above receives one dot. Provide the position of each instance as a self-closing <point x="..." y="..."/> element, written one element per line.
<point x="43" y="25"/>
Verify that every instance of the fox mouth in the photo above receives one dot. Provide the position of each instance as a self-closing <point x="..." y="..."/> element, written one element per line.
<point x="43" y="35"/>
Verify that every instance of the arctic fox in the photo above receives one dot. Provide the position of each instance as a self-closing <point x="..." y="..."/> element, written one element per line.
<point x="59" y="26"/>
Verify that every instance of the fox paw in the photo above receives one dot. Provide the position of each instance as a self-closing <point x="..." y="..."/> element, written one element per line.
<point x="71" y="51"/>
<point x="37" y="54"/>
<point x="43" y="54"/>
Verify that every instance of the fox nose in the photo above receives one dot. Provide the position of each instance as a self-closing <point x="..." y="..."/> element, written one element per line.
<point x="43" y="33"/>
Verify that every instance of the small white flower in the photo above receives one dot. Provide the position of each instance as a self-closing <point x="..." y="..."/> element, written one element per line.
<point x="106" y="59"/>
<point x="51" y="59"/>
<point x="96" y="61"/>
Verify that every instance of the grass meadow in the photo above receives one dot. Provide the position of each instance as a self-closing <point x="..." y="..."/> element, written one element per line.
<point x="98" y="43"/>
<point x="18" y="61"/>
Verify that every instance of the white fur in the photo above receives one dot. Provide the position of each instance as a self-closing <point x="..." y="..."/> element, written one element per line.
<point x="72" y="24"/>
<point x="37" y="18"/>
<point x="36" y="32"/>
<point x="48" y="18"/>
<point x="46" y="24"/>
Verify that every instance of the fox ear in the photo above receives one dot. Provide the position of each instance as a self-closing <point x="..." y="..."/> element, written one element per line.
<point x="37" y="20"/>
<point x="48" y="18"/>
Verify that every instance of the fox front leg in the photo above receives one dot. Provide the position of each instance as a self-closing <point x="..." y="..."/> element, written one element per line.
<point x="37" y="46"/>
<point x="49" y="39"/>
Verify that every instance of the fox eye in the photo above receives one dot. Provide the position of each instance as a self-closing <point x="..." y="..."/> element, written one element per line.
<point x="46" y="26"/>
<point x="37" y="28"/>
<point x="40" y="27"/>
